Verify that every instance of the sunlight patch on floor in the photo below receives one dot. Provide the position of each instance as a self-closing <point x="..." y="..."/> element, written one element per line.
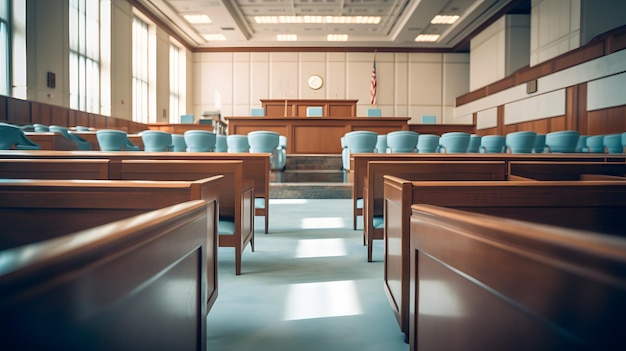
<point x="322" y="223"/>
<point x="320" y="300"/>
<point x="333" y="247"/>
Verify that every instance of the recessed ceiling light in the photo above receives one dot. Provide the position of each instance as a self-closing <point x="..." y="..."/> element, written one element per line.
<point x="427" y="37"/>
<point x="337" y="37"/>
<point x="214" y="37"/>
<point x="286" y="37"/>
<point x="197" y="19"/>
<point x="318" y="19"/>
<point x="444" y="19"/>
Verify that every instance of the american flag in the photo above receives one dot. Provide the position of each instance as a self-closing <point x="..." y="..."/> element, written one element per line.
<point x="373" y="84"/>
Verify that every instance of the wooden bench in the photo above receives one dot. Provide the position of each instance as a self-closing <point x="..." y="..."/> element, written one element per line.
<point x="373" y="189"/>
<point x="137" y="283"/>
<point x="590" y="205"/>
<point x="358" y="166"/>
<point x="565" y="170"/>
<point x="54" y="169"/>
<point x="236" y="211"/>
<point x="52" y="141"/>
<point x="499" y="284"/>
<point x="255" y="166"/>
<point x="36" y="210"/>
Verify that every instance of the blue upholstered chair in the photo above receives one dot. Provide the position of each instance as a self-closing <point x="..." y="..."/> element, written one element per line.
<point x="624" y="139"/>
<point x="427" y="143"/>
<point x="220" y="143"/>
<point x="81" y="129"/>
<point x="381" y="144"/>
<point x="12" y="137"/>
<point x="41" y="127"/>
<point x="279" y="159"/>
<point x="521" y="142"/>
<point x="263" y="141"/>
<point x="178" y="143"/>
<point x="595" y="143"/>
<point x="237" y="143"/>
<point x="257" y="112"/>
<point x="359" y="141"/>
<point x="581" y="146"/>
<point x="200" y="140"/>
<point x="111" y="139"/>
<point x="540" y="143"/>
<point x="374" y="112"/>
<point x="82" y="143"/>
<point x="454" y="142"/>
<point x="562" y="141"/>
<point x="474" y="144"/>
<point x="156" y="140"/>
<point x="613" y="143"/>
<point x="402" y="141"/>
<point x="492" y="144"/>
<point x="27" y="128"/>
<point x="314" y="111"/>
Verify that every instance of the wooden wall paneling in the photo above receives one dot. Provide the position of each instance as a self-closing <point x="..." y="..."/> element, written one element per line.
<point x="488" y="131"/>
<point x="578" y="56"/>
<point x="500" y="120"/>
<point x="40" y="113"/>
<point x="97" y="121"/>
<point x="540" y="126"/>
<point x="71" y="118"/>
<point x="557" y="123"/>
<point x="82" y="119"/>
<point x="616" y="42"/>
<point x="60" y="116"/>
<point x="596" y="122"/>
<point x="616" y="120"/>
<point x="3" y="108"/>
<point x="18" y="111"/>
<point x="528" y="73"/>
<point x="581" y="109"/>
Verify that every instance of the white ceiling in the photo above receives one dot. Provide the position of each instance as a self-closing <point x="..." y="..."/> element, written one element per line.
<point x="402" y="21"/>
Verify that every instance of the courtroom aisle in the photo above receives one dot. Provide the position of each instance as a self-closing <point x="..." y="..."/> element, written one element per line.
<point x="308" y="286"/>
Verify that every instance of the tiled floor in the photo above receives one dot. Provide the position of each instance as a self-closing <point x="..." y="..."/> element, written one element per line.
<point x="308" y="286"/>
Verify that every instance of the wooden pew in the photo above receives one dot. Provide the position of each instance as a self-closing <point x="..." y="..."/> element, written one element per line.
<point x="236" y="212"/>
<point x="499" y="284"/>
<point x="590" y="205"/>
<point x="54" y="169"/>
<point x="373" y="188"/>
<point x="36" y="210"/>
<point x="358" y="166"/>
<point x="133" y="284"/>
<point x="51" y="141"/>
<point x="236" y="227"/>
<point x="255" y="166"/>
<point x="564" y="170"/>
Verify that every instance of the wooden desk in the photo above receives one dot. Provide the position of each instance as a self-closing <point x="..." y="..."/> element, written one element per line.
<point x="297" y="107"/>
<point x="315" y="135"/>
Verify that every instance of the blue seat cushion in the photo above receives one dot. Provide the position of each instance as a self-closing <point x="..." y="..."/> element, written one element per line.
<point x="379" y="222"/>
<point x="259" y="202"/>
<point x="226" y="226"/>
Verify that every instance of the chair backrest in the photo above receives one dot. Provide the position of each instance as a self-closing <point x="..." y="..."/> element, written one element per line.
<point x="41" y="127"/>
<point x="178" y="143"/>
<point x="595" y="143"/>
<point x="12" y="137"/>
<point x="237" y="143"/>
<point x="613" y="143"/>
<point x="111" y="139"/>
<point x="581" y="146"/>
<point x="82" y="129"/>
<point x="200" y="140"/>
<point x="374" y="112"/>
<point x="540" y="143"/>
<point x="521" y="142"/>
<point x="490" y="144"/>
<point x="562" y="141"/>
<point x="263" y="141"/>
<point x="454" y="142"/>
<point x="361" y="141"/>
<point x="402" y="141"/>
<point x="474" y="144"/>
<point x="220" y="143"/>
<point x="314" y="111"/>
<point x="156" y="140"/>
<point x="381" y="144"/>
<point x="257" y="112"/>
<point x="427" y="143"/>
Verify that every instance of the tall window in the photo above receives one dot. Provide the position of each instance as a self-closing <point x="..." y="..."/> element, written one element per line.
<point x="5" y="52"/>
<point x="175" y="88"/>
<point x="85" y="55"/>
<point x="140" y="70"/>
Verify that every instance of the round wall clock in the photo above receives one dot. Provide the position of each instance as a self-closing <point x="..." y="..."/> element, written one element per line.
<point x="315" y="82"/>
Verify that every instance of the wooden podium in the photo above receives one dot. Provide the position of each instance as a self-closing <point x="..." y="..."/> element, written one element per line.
<point x="297" y="107"/>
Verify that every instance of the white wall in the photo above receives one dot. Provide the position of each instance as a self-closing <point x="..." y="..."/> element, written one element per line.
<point x="409" y="84"/>
<point x="555" y="29"/>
